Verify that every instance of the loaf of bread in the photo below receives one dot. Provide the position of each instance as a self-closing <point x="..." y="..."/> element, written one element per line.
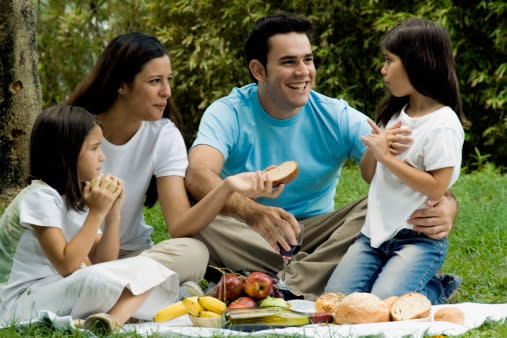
<point x="390" y="300"/>
<point x="328" y="302"/>
<point x="283" y="173"/>
<point x="411" y="305"/>
<point x="450" y="314"/>
<point x="361" y="307"/>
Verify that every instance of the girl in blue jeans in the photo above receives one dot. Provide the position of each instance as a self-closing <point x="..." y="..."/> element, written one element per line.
<point x="389" y="258"/>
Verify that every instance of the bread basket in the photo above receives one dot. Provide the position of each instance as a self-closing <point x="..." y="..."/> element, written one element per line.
<point x="212" y="322"/>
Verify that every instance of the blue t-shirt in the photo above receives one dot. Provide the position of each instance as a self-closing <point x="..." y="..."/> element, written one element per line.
<point x="321" y="137"/>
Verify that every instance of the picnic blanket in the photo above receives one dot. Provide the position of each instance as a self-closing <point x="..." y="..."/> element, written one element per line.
<point x="475" y="315"/>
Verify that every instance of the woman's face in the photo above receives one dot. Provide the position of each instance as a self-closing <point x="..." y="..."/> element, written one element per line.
<point x="146" y="97"/>
<point x="89" y="161"/>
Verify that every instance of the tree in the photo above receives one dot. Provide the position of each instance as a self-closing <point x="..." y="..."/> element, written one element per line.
<point x="20" y="95"/>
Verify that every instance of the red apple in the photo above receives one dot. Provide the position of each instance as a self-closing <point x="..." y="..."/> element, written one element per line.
<point x="228" y="288"/>
<point x="242" y="302"/>
<point x="258" y="285"/>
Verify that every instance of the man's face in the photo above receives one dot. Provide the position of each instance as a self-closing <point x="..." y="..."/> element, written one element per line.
<point x="289" y="75"/>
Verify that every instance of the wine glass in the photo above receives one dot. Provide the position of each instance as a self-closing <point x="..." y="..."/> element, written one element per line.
<point x="287" y="254"/>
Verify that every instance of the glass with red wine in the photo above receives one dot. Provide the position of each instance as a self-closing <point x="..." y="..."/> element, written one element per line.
<point x="288" y="254"/>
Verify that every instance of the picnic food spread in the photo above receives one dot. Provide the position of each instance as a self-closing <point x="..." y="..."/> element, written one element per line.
<point x="252" y="302"/>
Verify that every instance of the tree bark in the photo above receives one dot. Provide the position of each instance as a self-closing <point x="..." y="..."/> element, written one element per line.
<point x="20" y="93"/>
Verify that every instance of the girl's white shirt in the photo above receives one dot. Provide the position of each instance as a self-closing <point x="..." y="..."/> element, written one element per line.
<point x="42" y="206"/>
<point x="437" y="143"/>
<point x="157" y="149"/>
<point x="34" y="284"/>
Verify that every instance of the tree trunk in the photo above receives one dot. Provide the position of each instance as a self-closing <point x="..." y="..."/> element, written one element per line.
<point x="20" y="94"/>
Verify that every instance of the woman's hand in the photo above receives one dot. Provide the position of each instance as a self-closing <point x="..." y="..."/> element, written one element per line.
<point x="253" y="184"/>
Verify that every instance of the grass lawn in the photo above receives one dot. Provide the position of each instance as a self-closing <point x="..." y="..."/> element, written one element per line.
<point x="477" y="245"/>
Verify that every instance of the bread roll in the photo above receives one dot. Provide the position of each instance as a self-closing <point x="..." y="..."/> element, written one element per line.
<point x="411" y="305"/>
<point x="450" y="314"/>
<point x="390" y="300"/>
<point x="361" y="307"/>
<point x="328" y="302"/>
<point x="284" y="173"/>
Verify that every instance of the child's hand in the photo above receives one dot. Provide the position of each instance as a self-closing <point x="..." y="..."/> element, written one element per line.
<point x="377" y="142"/>
<point x="101" y="192"/>
<point x="253" y="184"/>
<point x="118" y="203"/>
<point x="398" y="138"/>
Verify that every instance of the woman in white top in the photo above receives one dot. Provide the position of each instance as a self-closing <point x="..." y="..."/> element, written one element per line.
<point x="129" y="91"/>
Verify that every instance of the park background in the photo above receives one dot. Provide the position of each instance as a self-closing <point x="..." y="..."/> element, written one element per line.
<point x="48" y="46"/>
<point x="205" y="41"/>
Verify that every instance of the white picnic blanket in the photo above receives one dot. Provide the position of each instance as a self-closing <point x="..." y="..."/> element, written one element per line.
<point x="475" y="315"/>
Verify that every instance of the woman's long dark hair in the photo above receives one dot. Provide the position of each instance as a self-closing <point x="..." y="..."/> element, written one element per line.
<point x="119" y="63"/>
<point x="57" y="137"/>
<point x="424" y="48"/>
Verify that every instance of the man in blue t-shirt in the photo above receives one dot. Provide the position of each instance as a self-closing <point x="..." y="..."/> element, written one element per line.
<point x="276" y="119"/>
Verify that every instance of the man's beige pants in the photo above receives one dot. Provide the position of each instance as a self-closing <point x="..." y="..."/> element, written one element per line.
<point x="234" y="245"/>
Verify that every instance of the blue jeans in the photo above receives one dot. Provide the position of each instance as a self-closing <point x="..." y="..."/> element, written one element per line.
<point x="406" y="263"/>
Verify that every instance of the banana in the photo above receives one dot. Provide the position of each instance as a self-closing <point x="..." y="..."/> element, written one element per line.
<point x="170" y="312"/>
<point x="209" y="314"/>
<point x="212" y="304"/>
<point x="192" y="305"/>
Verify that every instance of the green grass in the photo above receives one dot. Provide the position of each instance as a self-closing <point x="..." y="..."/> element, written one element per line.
<point x="477" y="249"/>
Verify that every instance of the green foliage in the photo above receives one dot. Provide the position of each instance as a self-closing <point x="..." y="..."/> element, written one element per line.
<point x="71" y="34"/>
<point x="205" y="39"/>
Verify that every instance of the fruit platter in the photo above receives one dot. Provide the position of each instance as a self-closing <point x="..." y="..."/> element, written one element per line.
<point x="222" y="304"/>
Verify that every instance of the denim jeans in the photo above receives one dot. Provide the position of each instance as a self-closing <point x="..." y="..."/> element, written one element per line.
<point x="406" y="263"/>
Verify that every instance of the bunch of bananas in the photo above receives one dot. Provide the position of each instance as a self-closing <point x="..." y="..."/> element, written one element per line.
<point x="197" y="306"/>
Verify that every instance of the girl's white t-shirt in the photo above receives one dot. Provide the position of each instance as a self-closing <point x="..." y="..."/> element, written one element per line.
<point x="42" y="206"/>
<point x="33" y="284"/>
<point x="437" y="143"/>
<point x="157" y="149"/>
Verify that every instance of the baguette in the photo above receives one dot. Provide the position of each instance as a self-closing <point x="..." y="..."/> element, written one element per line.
<point x="361" y="307"/>
<point x="283" y="173"/>
<point x="411" y="305"/>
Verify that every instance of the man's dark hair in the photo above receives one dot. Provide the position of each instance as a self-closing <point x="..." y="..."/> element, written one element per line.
<point x="257" y="47"/>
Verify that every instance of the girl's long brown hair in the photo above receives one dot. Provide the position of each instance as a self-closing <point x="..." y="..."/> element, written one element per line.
<point x="424" y="48"/>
